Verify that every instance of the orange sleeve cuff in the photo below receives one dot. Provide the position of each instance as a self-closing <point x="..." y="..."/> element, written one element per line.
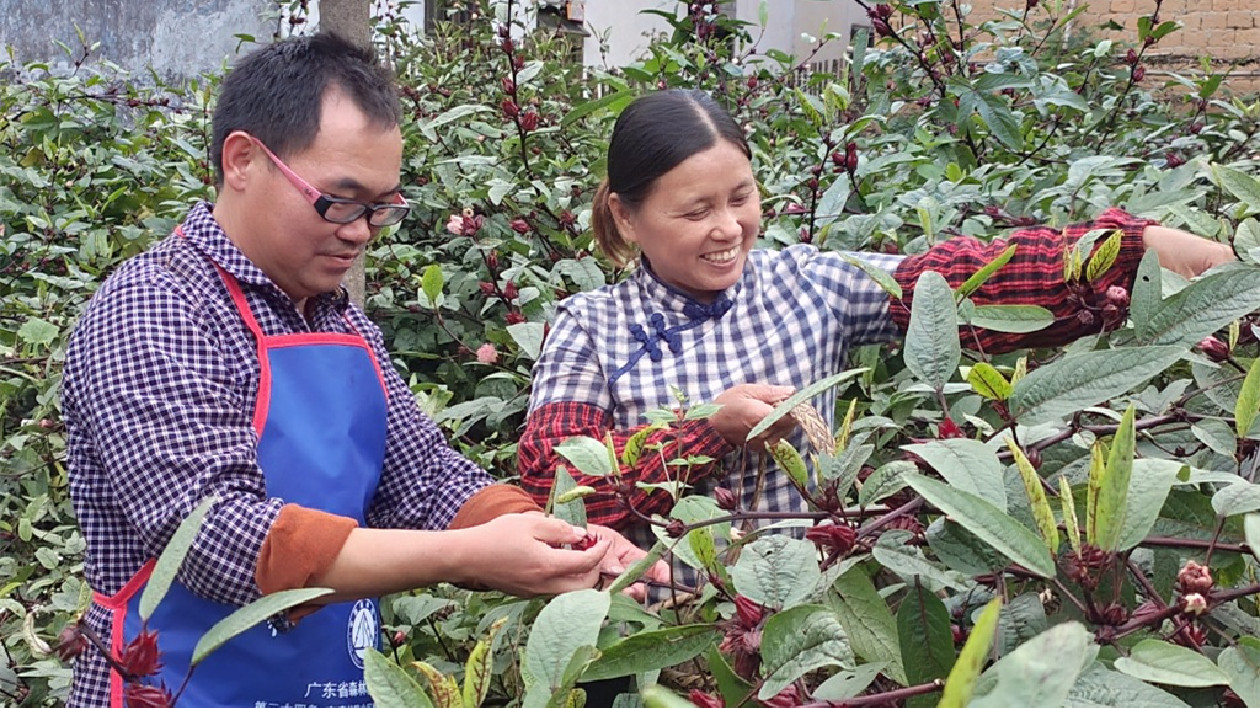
<point x="490" y="503"/>
<point x="300" y="546"/>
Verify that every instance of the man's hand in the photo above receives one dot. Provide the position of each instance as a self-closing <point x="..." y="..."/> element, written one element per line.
<point x="1183" y="252"/>
<point x="744" y="406"/>
<point x="621" y="555"/>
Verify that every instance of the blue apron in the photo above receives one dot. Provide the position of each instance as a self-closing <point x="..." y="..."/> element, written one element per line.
<point x="321" y="421"/>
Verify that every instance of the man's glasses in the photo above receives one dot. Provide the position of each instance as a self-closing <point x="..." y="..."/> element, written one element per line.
<point x="339" y="210"/>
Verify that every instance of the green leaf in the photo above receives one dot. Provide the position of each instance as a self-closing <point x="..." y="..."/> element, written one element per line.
<point x="649" y="651"/>
<point x="443" y="688"/>
<point x="1075" y="382"/>
<point x="633" y="449"/>
<point x="1160" y="662"/>
<point x="571" y="510"/>
<point x="528" y="336"/>
<point x="1068" y="506"/>
<point x="479" y="667"/>
<point x="1113" y="490"/>
<point x="846" y="684"/>
<point x="1147" y="293"/>
<point x="799" y="640"/>
<point x="777" y="571"/>
<point x="887" y="480"/>
<point x="1000" y="121"/>
<point x="563" y="696"/>
<point x="1240" y="184"/>
<point x="967" y="465"/>
<point x="567" y="623"/>
<point x="931" y="349"/>
<point x="37" y="331"/>
<point x="989" y="523"/>
<point x="978" y="278"/>
<point x="800" y="397"/>
<point x="588" y="455"/>
<point x="613" y="102"/>
<point x="1204" y="306"/>
<point x="245" y="617"/>
<point x="989" y="382"/>
<point x="881" y="277"/>
<point x="390" y="685"/>
<point x="1040" y="505"/>
<point x="1247" y="241"/>
<point x="431" y="284"/>
<point x="925" y="637"/>
<point x="789" y="459"/>
<point x="1098" y="687"/>
<point x="1149" y="485"/>
<point x="1248" y="400"/>
<point x="732" y="686"/>
<point x="1010" y="318"/>
<point x="897" y="554"/>
<point x="1233" y="499"/>
<point x="962" y="678"/>
<point x="657" y="696"/>
<point x="869" y="624"/>
<point x="1104" y="257"/>
<point x="1040" y="672"/>
<point x="1241" y="663"/>
<point x="172" y="557"/>
<point x="636" y="571"/>
<point x="960" y="550"/>
<point x="1251" y="532"/>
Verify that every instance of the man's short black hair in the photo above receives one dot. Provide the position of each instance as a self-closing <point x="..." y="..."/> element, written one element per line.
<point x="275" y="92"/>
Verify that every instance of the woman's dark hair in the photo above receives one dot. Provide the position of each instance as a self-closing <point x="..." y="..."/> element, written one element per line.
<point x="275" y="93"/>
<point x="652" y="136"/>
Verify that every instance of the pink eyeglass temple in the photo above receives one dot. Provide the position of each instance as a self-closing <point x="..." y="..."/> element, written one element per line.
<point x="312" y="195"/>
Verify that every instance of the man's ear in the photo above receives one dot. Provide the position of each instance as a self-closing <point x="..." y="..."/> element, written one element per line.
<point x="622" y="217"/>
<point x="240" y="160"/>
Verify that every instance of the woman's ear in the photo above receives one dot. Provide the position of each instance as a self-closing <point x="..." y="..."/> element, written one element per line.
<point x="622" y="217"/>
<point x="239" y="155"/>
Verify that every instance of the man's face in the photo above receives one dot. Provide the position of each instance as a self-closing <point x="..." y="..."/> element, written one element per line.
<point x="350" y="158"/>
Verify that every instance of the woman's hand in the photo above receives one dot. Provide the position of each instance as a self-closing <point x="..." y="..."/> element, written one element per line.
<point x="524" y="555"/>
<point x="1183" y="252"/>
<point x="621" y="555"/>
<point x="744" y="406"/>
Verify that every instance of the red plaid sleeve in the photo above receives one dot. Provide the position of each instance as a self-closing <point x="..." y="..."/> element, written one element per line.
<point x="1033" y="276"/>
<point x="553" y="423"/>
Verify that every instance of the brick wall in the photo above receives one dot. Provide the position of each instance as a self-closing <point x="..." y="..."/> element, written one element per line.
<point x="1228" y="31"/>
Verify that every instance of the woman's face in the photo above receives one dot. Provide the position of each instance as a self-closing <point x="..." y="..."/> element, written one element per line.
<point x="698" y="222"/>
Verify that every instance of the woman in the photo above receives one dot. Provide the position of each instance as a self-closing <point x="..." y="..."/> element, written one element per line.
<point x="708" y="317"/>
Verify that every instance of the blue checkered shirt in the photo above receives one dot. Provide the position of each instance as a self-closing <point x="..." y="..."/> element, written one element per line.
<point x="160" y="382"/>
<point x="790" y="320"/>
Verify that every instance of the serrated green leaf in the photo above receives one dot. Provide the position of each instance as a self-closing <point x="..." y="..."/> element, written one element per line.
<point x="1068" y="506"/>
<point x="244" y="618"/>
<point x="799" y="640"/>
<point x="777" y="571"/>
<point x="1104" y="257"/>
<point x="566" y="624"/>
<point x="1113" y="491"/>
<point x="989" y="523"/>
<point x="1243" y="186"/>
<point x="989" y="382"/>
<point x="886" y="480"/>
<point x="1001" y="121"/>
<point x="390" y="685"/>
<point x="1040" y="672"/>
<point x="478" y="668"/>
<point x="1160" y="662"/>
<point x="846" y="684"/>
<point x="1147" y="293"/>
<point x="431" y="283"/>
<point x="898" y="555"/>
<point x="1248" y="404"/>
<point x="1247" y="241"/>
<point x="1241" y="663"/>
<point x="732" y="686"/>
<point x="571" y="510"/>
<point x="637" y="569"/>
<point x="1099" y="688"/>
<point x="1039" y="504"/>
<point x="1010" y="318"/>
<point x="867" y="621"/>
<point x="925" y="637"/>
<point x="649" y="651"/>
<point x="633" y="449"/>
<point x="37" y="331"/>
<point x="1075" y="382"/>
<point x="1204" y="306"/>
<point x="1233" y="499"/>
<point x="800" y="397"/>
<point x="528" y="336"/>
<point x="968" y="465"/>
<point x="931" y="349"/>
<point x="588" y="455"/>
<point x="172" y="557"/>
<point x="962" y="678"/>
<point x="789" y="459"/>
<point x="978" y="278"/>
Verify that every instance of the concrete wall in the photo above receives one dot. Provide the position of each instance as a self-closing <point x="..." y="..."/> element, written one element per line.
<point x="174" y="37"/>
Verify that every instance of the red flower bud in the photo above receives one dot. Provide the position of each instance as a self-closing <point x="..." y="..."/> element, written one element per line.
<point x="510" y="109"/>
<point x="138" y="695"/>
<point x="949" y="429"/>
<point x="1172" y="160"/>
<point x="507" y="45"/>
<point x="519" y="225"/>
<point x="806" y="236"/>
<point x="676" y="528"/>
<point x="1194" y="578"/>
<point x="486" y="288"/>
<point x="752" y="82"/>
<point x="703" y="700"/>
<point x="509" y="290"/>
<point x="725" y="499"/>
<point x="567" y="218"/>
<point x="790" y="696"/>
<point x="518" y="62"/>
<point x="794" y="208"/>
<point x="70" y="643"/>
<point x="1131" y="58"/>
<point x="492" y="260"/>
<point x="832" y="537"/>
<point x="400" y="638"/>
<point x="748" y="613"/>
<point x="881" y="27"/>
<point x="509" y="86"/>
<point x="1085" y="318"/>
<point x="529" y="121"/>
<point x="1139" y="73"/>
<point x="885" y="10"/>
<point x="1118" y="296"/>
<point x="1215" y="349"/>
<point x="141" y="656"/>
<point x="514" y="318"/>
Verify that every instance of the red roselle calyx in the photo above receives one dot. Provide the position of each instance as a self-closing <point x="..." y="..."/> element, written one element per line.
<point x="704" y="700"/>
<point x="70" y="643"/>
<point x="141" y="656"/>
<point x="836" y="538"/>
<point x="725" y="499"/>
<point x="748" y="613"/>
<point x="138" y="695"/>
<point x="1194" y="579"/>
<point x="1215" y="349"/>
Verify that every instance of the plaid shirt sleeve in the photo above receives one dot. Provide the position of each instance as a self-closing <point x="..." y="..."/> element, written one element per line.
<point x="153" y="393"/>
<point x="424" y="482"/>
<point x="570" y="398"/>
<point x="1033" y="276"/>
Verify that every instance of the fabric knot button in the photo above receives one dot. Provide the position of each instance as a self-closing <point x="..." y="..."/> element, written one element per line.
<point x="712" y="311"/>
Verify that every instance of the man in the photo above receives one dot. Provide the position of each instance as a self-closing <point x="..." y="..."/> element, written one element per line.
<point x="226" y="363"/>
